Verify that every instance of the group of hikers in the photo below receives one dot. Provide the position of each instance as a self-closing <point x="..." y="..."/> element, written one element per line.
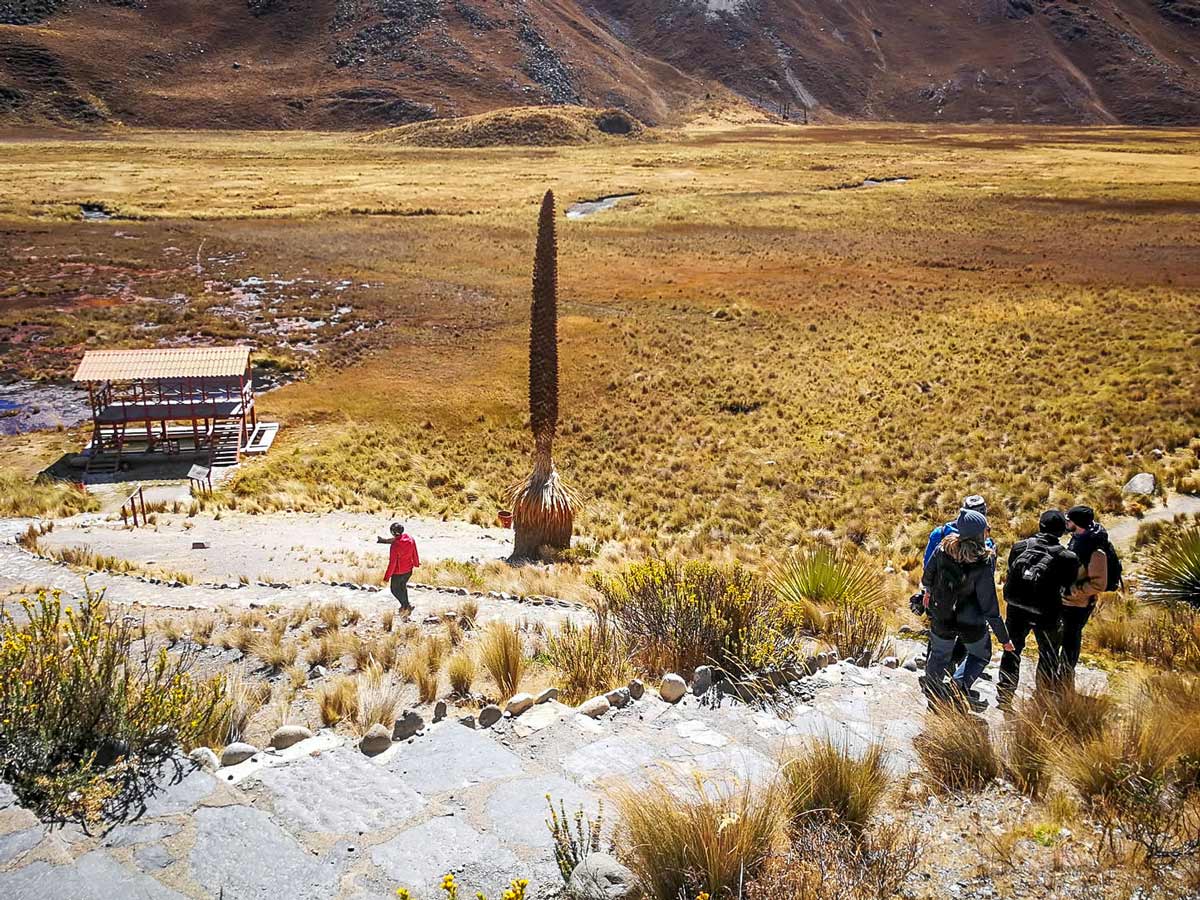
<point x="1050" y="590"/>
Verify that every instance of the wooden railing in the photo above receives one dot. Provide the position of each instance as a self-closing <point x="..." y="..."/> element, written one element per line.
<point x="129" y="508"/>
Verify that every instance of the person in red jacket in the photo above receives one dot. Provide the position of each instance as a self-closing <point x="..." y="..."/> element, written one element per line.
<point x="401" y="562"/>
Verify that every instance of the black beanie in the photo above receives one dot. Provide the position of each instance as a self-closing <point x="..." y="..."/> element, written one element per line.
<point x="1053" y="522"/>
<point x="1083" y="516"/>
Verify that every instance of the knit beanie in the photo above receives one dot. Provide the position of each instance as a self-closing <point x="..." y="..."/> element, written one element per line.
<point x="976" y="503"/>
<point x="1053" y="522"/>
<point x="1083" y="516"/>
<point x="971" y="524"/>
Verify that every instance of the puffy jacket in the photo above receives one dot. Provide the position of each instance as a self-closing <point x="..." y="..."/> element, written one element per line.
<point x="403" y="557"/>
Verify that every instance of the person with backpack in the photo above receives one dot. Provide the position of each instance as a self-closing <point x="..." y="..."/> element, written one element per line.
<point x="1099" y="571"/>
<point x="1040" y="574"/>
<point x="960" y="581"/>
<point x="920" y="601"/>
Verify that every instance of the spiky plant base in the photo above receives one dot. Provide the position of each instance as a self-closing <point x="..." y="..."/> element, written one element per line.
<point x="543" y="511"/>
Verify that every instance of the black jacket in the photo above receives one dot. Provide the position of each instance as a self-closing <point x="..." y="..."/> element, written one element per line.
<point x="1064" y="571"/>
<point x="978" y="607"/>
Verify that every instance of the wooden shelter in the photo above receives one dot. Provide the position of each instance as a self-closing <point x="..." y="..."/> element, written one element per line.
<point x="197" y="400"/>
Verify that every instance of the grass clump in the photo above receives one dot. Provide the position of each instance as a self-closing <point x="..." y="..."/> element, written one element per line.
<point x="1173" y="567"/>
<point x="338" y="700"/>
<point x="699" y="836"/>
<point x="837" y="597"/>
<point x="680" y="616"/>
<point x="274" y="653"/>
<point x="591" y="659"/>
<point x="21" y="497"/>
<point x="74" y="685"/>
<point x="825" y="781"/>
<point x="378" y="699"/>
<point x="503" y="656"/>
<point x="461" y="671"/>
<point x="956" y="751"/>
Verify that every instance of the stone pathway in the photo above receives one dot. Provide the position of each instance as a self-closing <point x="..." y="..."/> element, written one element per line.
<point x="22" y="572"/>
<point x="321" y="820"/>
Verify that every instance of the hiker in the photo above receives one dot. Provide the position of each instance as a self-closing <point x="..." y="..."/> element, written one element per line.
<point x="920" y="602"/>
<point x="401" y="561"/>
<point x="960" y="582"/>
<point x="1099" y="570"/>
<point x="1040" y="574"/>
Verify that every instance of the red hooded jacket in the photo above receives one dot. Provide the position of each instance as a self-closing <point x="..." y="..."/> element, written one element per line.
<point x="403" y="558"/>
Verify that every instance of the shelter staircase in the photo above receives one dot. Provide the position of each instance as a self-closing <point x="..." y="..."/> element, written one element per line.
<point x="225" y="444"/>
<point x="105" y="458"/>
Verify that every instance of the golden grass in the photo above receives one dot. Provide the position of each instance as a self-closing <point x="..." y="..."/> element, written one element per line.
<point x="462" y="671"/>
<point x="378" y="698"/>
<point x="23" y="496"/>
<point x="826" y="781"/>
<point x="326" y="650"/>
<point x="338" y="700"/>
<point x="956" y="751"/>
<point x="590" y="659"/>
<point x="681" y="839"/>
<point x="503" y="656"/>
<point x="273" y="652"/>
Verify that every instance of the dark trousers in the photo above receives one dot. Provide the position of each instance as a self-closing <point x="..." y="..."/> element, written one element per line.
<point x="1047" y="631"/>
<point x="1073" y="619"/>
<point x="399" y="586"/>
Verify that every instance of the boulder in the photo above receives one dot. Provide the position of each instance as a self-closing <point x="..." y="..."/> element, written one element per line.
<point x="439" y="711"/>
<point x="1142" y="483"/>
<point x="702" y="681"/>
<point x="287" y="735"/>
<point x="672" y="688"/>
<point x="911" y="666"/>
<point x="637" y="689"/>
<point x="596" y="707"/>
<point x="617" y="697"/>
<point x="600" y="877"/>
<point x="550" y="693"/>
<point x="407" y="725"/>
<point x="205" y="759"/>
<point x="237" y="752"/>
<point x="467" y="720"/>
<point x="890" y="662"/>
<point x="518" y="704"/>
<point x="489" y="715"/>
<point x="377" y="739"/>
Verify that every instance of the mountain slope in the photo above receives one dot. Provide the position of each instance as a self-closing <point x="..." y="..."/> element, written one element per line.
<point x="367" y="63"/>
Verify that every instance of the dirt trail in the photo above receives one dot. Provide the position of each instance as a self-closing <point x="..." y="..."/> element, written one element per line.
<point x="1123" y="530"/>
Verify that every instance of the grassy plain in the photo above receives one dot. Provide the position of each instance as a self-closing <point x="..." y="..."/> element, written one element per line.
<point x="752" y="350"/>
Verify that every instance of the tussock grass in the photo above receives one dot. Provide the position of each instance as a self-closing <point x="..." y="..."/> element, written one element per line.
<point x="338" y="700"/>
<point x="326" y="650"/>
<point x="682" y="839"/>
<point x="503" y="656"/>
<point x="274" y="653"/>
<point x="825" y="781"/>
<point x="378" y="698"/>
<point x="590" y="659"/>
<point x="461" y="670"/>
<point x="956" y="751"/>
<point x="24" y="497"/>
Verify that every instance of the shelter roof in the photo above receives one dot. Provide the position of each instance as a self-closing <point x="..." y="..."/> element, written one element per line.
<point x="166" y="362"/>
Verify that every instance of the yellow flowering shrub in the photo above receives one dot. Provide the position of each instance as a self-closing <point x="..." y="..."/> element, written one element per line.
<point x="83" y="703"/>
<point x="515" y="891"/>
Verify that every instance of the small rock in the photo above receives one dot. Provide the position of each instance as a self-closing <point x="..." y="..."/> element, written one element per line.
<point x="489" y="715"/>
<point x="236" y="753"/>
<point x="637" y="689"/>
<point x="439" y="711"/>
<point x="618" y="697"/>
<point x="596" y="707"/>
<point x="518" y="703"/>
<point x="702" y="681"/>
<point x="317" y="672"/>
<point x="911" y="666"/>
<point x="468" y="720"/>
<point x="1142" y="483"/>
<point x="376" y="740"/>
<point x="890" y="662"/>
<point x="199" y="545"/>
<point x="287" y="735"/>
<point x="205" y="759"/>
<point x="600" y="877"/>
<point x="672" y="688"/>
<point x="408" y="724"/>
<point x="550" y="693"/>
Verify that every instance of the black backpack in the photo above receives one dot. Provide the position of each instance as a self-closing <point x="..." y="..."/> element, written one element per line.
<point x="1115" y="569"/>
<point x="1032" y="580"/>
<point x="952" y="585"/>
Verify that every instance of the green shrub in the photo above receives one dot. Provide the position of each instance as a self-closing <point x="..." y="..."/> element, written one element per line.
<point x="837" y="597"/>
<point x="1173" y="567"/>
<point x="680" y="616"/>
<point x="76" y="692"/>
<point x="571" y="847"/>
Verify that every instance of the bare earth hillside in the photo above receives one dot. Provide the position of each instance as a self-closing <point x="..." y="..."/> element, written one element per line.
<point x="369" y="63"/>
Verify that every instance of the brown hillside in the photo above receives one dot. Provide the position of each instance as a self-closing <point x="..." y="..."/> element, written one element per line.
<point x="376" y="63"/>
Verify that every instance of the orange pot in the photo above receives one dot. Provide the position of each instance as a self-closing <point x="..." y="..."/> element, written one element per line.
<point x="505" y="518"/>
